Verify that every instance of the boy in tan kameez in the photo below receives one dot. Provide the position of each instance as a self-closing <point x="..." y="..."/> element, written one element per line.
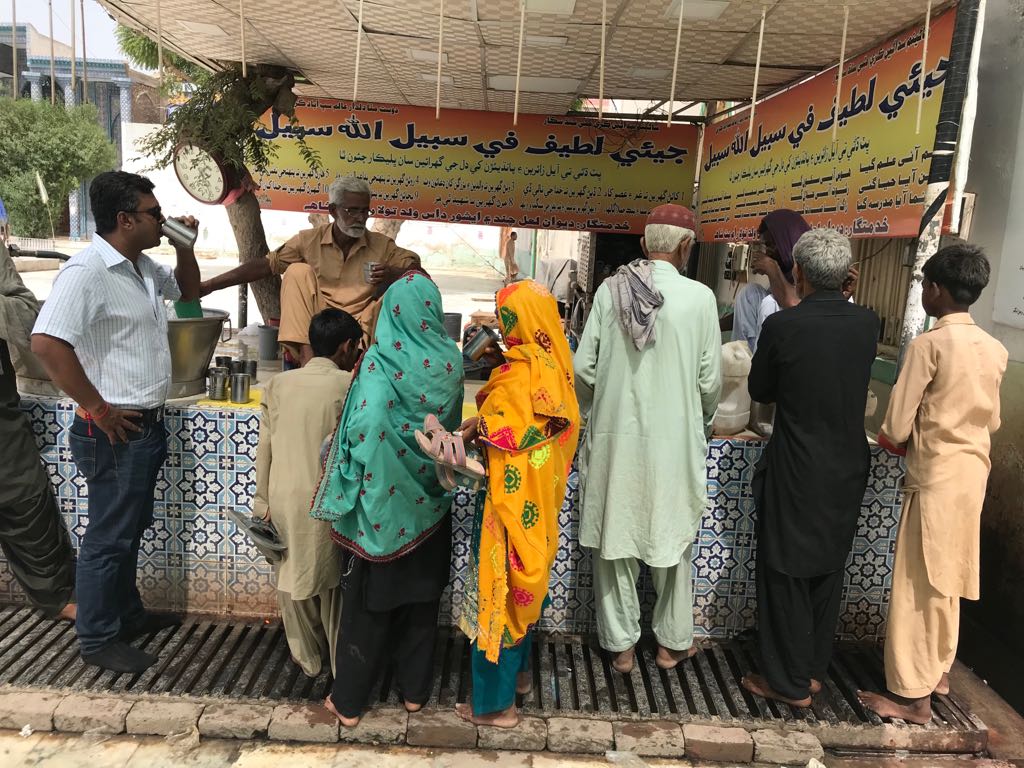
<point x="299" y="409"/>
<point x="943" y="411"/>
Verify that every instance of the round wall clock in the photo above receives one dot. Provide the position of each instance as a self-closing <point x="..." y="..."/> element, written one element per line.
<point x="201" y="174"/>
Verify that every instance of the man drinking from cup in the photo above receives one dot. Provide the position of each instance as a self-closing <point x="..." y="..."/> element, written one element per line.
<point x="341" y="264"/>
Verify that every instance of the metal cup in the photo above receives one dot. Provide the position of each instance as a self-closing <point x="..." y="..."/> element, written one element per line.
<point x="240" y="387"/>
<point x="477" y="346"/>
<point x="238" y="366"/>
<point x="251" y="367"/>
<point x="368" y="268"/>
<point x="223" y="361"/>
<point x="218" y="386"/>
<point x="179" y="234"/>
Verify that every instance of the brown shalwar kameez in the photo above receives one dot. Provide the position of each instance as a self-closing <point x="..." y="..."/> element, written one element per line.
<point x="944" y="406"/>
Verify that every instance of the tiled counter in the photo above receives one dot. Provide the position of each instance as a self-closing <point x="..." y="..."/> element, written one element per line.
<point x="194" y="559"/>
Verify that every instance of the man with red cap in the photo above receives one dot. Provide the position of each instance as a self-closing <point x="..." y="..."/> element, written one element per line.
<point x="648" y="378"/>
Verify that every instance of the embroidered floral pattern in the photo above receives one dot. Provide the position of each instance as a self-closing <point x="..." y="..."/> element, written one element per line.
<point x="543" y="339"/>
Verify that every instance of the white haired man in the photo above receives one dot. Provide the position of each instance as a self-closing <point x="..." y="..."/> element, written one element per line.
<point x="323" y="267"/>
<point x="648" y="370"/>
<point x="814" y="362"/>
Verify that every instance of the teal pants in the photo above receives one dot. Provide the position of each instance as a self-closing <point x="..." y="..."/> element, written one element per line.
<point x="494" y="685"/>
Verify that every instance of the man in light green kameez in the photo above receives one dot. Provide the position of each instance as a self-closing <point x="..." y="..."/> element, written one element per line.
<point x="648" y="379"/>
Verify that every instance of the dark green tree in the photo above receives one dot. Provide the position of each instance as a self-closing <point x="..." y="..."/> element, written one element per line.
<point x="65" y="146"/>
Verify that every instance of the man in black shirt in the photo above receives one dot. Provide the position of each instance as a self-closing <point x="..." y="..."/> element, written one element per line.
<point x="814" y="362"/>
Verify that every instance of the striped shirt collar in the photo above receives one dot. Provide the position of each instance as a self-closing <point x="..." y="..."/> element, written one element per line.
<point x="110" y="255"/>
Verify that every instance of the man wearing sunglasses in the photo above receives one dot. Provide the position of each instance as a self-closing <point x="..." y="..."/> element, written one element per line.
<point x="102" y="337"/>
<point x="341" y="264"/>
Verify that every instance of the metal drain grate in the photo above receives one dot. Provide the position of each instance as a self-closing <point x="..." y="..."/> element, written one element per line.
<point x="250" y="660"/>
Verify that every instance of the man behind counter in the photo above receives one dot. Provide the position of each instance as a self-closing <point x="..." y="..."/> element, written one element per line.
<point x="324" y="267"/>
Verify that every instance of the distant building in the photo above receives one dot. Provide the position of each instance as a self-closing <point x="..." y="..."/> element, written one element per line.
<point x="120" y="94"/>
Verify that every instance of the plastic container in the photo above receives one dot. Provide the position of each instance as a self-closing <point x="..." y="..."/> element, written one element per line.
<point x="268" y="342"/>
<point x="733" y="412"/>
<point x="453" y="325"/>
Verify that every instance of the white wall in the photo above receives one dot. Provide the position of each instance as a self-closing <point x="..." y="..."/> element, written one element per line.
<point x="997" y="163"/>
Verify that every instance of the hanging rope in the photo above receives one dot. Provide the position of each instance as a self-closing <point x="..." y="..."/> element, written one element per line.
<point x="839" y="74"/>
<point x="600" y="77"/>
<point x="359" y="45"/>
<point x="85" y="57"/>
<point x="757" y="75"/>
<point x="241" y="21"/>
<point x="440" y="56"/>
<point x="675" y="65"/>
<point x="519" y="59"/>
<point x="924" y="65"/>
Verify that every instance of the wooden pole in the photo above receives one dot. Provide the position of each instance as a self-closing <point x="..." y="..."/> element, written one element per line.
<point x="53" y="64"/>
<point x="757" y="75"/>
<point x="14" y="44"/>
<point x="241" y="22"/>
<point x="675" y="65"/>
<point x="839" y="74"/>
<point x="85" y="58"/>
<point x="600" y="79"/>
<point x="74" y="62"/>
<point x="359" y="44"/>
<point x="440" y="56"/>
<point x="519" y="59"/>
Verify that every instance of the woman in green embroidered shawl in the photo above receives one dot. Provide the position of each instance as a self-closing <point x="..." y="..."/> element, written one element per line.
<point x="387" y="509"/>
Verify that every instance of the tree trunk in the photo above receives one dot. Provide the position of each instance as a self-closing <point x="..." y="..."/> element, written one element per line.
<point x="388" y="227"/>
<point x="247" y="224"/>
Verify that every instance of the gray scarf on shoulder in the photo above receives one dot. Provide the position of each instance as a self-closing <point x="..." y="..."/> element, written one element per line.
<point x="636" y="301"/>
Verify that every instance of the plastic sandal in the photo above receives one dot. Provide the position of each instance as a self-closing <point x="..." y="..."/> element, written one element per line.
<point x="448" y="450"/>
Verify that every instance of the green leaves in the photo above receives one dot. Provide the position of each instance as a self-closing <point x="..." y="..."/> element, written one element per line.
<point x="65" y="146"/>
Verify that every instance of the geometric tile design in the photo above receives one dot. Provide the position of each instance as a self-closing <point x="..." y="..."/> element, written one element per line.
<point x="194" y="559"/>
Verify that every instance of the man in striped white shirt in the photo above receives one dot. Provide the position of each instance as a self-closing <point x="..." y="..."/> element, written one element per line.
<point x="102" y="337"/>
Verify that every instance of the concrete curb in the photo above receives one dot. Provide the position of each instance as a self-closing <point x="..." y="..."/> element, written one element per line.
<point x="163" y="715"/>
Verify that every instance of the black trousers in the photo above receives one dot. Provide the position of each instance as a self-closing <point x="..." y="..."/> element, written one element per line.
<point x="368" y="639"/>
<point x="796" y="623"/>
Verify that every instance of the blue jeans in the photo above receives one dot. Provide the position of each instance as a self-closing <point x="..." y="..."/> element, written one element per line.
<point x="121" y="480"/>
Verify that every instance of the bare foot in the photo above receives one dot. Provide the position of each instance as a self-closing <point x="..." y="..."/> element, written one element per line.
<point x="348" y="722"/>
<point x="68" y="613"/>
<point x="668" y="659"/>
<point x="410" y="707"/>
<point x="623" y="662"/>
<point x="815" y="687"/>
<point x="943" y="687"/>
<point x="524" y="683"/>
<point x="508" y="718"/>
<point x="890" y="705"/>
<point x="758" y="686"/>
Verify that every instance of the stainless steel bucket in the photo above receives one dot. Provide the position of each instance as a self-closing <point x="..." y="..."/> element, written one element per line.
<point x="192" y="342"/>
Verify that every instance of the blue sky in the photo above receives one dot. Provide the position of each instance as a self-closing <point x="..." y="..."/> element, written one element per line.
<point x="99" y="27"/>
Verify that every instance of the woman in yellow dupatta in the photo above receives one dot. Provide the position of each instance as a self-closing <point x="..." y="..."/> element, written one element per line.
<point x="528" y="426"/>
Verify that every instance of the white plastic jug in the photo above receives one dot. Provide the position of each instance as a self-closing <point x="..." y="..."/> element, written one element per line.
<point x="734" y="406"/>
